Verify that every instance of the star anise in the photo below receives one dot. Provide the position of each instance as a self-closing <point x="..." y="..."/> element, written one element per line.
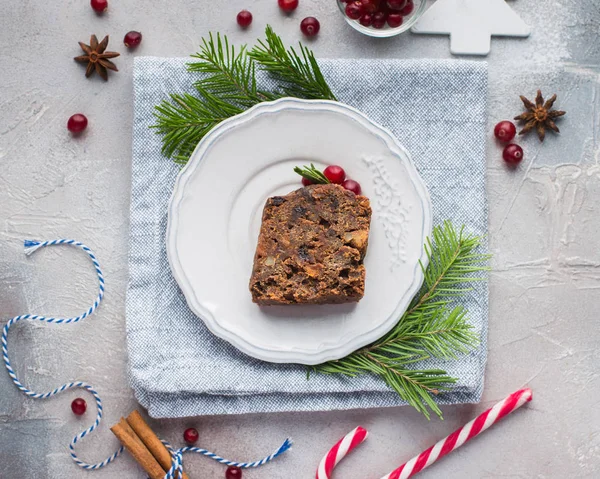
<point x="539" y="116"/>
<point x="97" y="58"/>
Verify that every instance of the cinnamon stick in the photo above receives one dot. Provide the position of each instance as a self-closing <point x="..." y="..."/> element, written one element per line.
<point x="138" y="450"/>
<point x="150" y="440"/>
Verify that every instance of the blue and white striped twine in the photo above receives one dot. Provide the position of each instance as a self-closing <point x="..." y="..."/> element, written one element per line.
<point x="177" y="461"/>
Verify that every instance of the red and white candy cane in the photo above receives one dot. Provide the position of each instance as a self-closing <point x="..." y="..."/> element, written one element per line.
<point x="339" y="451"/>
<point x="462" y="435"/>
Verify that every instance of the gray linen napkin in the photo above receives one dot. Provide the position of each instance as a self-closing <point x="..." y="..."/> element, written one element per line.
<point x="436" y="108"/>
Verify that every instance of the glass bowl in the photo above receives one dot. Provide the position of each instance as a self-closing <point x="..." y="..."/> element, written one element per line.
<point x="386" y="31"/>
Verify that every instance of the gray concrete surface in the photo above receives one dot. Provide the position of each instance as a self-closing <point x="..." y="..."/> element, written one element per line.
<point x="543" y="232"/>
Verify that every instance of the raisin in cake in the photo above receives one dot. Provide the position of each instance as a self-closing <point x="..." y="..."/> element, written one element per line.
<point x="311" y="247"/>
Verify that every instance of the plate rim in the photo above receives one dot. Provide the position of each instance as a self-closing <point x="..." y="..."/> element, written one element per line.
<point x="292" y="356"/>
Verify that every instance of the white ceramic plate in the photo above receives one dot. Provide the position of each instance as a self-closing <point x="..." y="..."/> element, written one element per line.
<point x="215" y="214"/>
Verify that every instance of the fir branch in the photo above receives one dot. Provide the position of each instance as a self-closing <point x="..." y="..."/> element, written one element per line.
<point x="432" y="327"/>
<point x="298" y="73"/>
<point x="312" y="173"/>
<point x="228" y="87"/>
<point x="185" y="119"/>
<point x="228" y="75"/>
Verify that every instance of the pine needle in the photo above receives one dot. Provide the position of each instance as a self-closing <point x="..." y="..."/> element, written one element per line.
<point x="432" y="327"/>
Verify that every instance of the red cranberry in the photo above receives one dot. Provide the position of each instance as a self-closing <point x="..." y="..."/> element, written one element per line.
<point x="244" y="18"/>
<point x="408" y="8"/>
<point x="396" y="4"/>
<point x="77" y="123"/>
<point x="379" y="19"/>
<point x="505" y="131"/>
<point x="369" y="6"/>
<point x="354" y="10"/>
<point x="366" y="20"/>
<point x="288" y="5"/>
<point x="78" y="406"/>
<point x="306" y="182"/>
<point x="395" y="20"/>
<point x="233" y="472"/>
<point x="335" y="174"/>
<point x="310" y="26"/>
<point x="190" y="435"/>
<point x="353" y="186"/>
<point x="132" y="39"/>
<point x="512" y="154"/>
<point x="99" y="5"/>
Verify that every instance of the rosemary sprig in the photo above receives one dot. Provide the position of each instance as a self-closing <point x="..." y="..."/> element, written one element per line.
<point x="312" y="173"/>
<point x="228" y="86"/>
<point x="432" y="327"/>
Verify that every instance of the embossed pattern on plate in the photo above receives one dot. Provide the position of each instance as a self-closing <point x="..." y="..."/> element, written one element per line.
<point x="390" y="208"/>
<point x="215" y="214"/>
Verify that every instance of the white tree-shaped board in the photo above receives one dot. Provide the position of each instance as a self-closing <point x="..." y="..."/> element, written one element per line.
<point x="471" y="24"/>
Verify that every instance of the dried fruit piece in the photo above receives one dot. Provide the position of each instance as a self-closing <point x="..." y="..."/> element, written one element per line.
<point x="366" y="20"/>
<point x="335" y="174"/>
<point x="370" y="6"/>
<point x="99" y="6"/>
<point x="379" y="19"/>
<point x="396" y="4"/>
<point x="354" y="10"/>
<point x="77" y="123"/>
<point x="512" y="154"/>
<point x="190" y="435"/>
<point x="132" y="39"/>
<point x="78" y="406"/>
<point x="408" y="8"/>
<point x="353" y="186"/>
<point x="394" y="20"/>
<point x="310" y="26"/>
<point x="288" y="5"/>
<point x="244" y="18"/>
<point x="505" y="131"/>
<point x="233" y="472"/>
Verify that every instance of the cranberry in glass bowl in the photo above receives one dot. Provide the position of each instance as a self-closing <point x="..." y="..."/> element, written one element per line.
<point x="404" y="14"/>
